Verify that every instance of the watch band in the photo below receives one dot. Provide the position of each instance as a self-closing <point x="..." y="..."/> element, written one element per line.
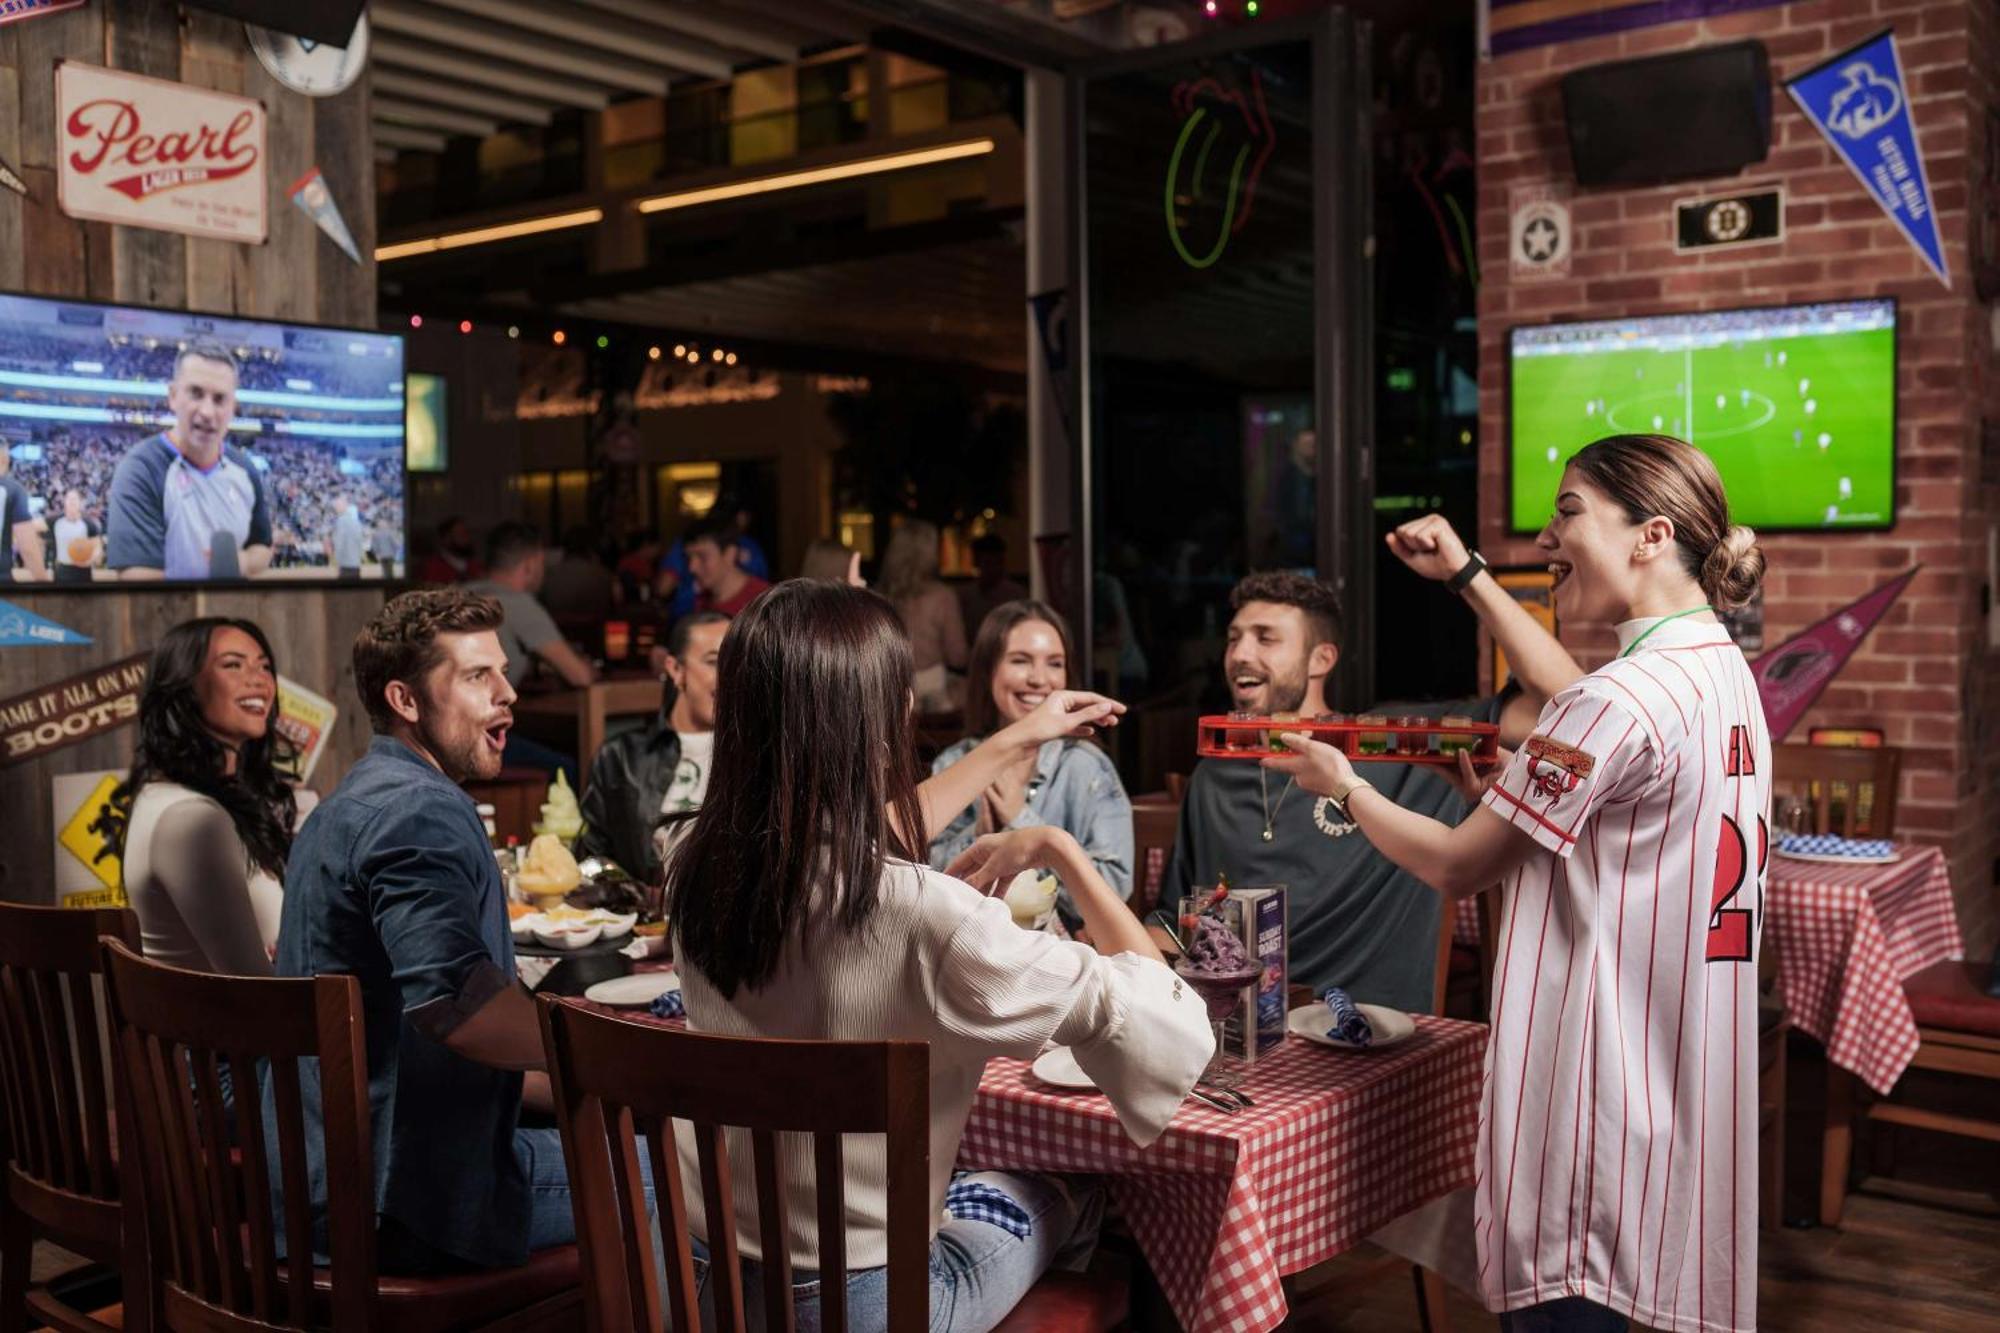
<point x="1474" y="563"/>
<point x="1340" y="801"/>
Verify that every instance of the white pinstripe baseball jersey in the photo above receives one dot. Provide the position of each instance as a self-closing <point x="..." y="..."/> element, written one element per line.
<point x="1618" y="1150"/>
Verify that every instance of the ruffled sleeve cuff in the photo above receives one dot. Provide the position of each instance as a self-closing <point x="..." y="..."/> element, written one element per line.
<point x="1151" y="1041"/>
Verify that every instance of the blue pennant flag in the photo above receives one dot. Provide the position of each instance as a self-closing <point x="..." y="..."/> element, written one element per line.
<point x="25" y="629"/>
<point x="1861" y="104"/>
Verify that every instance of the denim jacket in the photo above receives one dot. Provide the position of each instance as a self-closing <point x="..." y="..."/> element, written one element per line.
<point x="1075" y="788"/>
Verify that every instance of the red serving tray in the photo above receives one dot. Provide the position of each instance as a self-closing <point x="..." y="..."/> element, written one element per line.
<point x="1223" y="736"/>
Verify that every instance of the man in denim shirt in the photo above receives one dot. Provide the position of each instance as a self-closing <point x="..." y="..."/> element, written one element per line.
<point x="392" y="881"/>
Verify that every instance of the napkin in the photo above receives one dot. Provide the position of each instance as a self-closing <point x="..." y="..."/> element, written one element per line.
<point x="1348" y="1023"/>
<point x="1828" y="844"/>
<point x="668" y="1004"/>
<point x="969" y="1201"/>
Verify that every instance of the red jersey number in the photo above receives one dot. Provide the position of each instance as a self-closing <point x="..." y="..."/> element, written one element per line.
<point x="1730" y="928"/>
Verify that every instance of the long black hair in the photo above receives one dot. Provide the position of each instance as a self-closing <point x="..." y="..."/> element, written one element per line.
<point x="814" y="783"/>
<point x="175" y="746"/>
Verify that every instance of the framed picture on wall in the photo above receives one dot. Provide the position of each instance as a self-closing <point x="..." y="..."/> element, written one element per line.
<point x="1535" y="589"/>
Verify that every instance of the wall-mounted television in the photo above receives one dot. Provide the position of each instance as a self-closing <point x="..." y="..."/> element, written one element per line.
<point x="1796" y="405"/>
<point x="168" y="445"/>
<point x="427" y="423"/>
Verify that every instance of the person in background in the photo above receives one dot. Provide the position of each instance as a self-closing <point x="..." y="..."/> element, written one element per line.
<point x="832" y="562"/>
<point x="1020" y="658"/>
<point x="679" y="587"/>
<point x="662" y="768"/>
<point x="20" y="530"/>
<point x="720" y="580"/>
<point x="1357" y="921"/>
<point x="516" y="563"/>
<point x="639" y="568"/>
<point x="388" y="544"/>
<point x="75" y="535"/>
<point x="203" y="822"/>
<point x="578" y="587"/>
<point x="822" y="927"/>
<point x="186" y="503"/>
<point x="990" y="586"/>
<point x="392" y="881"/>
<point x="454" y="560"/>
<point x="349" y="541"/>
<point x="930" y="613"/>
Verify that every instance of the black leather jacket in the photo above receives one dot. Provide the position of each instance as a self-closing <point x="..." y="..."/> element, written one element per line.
<point x="621" y="798"/>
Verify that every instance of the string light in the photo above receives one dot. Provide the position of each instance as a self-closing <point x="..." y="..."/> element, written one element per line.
<point x="729" y="360"/>
<point x="465" y="326"/>
<point x="513" y="330"/>
<point x="559" y="338"/>
<point x="716" y="354"/>
<point x="652" y="354"/>
<point x="1209" y="8"/>
<point x="416" y="321"/>
<point x="602" y="342"/>
<point x="680" y="350"/>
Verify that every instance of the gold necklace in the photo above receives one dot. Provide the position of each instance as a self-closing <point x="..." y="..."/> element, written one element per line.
<point x="1270" y="815"/>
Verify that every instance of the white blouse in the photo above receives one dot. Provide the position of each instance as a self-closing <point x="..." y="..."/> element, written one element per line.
<point x="942" y="963"/>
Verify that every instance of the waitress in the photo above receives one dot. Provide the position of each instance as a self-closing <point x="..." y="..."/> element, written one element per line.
<point x="1618" y="1124"/>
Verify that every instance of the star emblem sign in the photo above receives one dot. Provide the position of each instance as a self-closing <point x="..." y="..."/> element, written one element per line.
<point x="1539" y="239"/>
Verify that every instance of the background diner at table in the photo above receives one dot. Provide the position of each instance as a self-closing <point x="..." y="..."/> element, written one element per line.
<point x="1103" y="664"/>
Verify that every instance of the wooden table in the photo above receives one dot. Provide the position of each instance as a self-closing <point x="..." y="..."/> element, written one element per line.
<point x="621" y="695"/>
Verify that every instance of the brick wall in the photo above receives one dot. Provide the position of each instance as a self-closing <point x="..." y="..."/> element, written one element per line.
<point x="1925" y="675"/>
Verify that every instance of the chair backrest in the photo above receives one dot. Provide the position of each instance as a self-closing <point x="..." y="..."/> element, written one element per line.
<point x="1849" y="790"/>
<point x="205" y="1174"/>
<point x="1155" y="820"/>
<point x="54" y="1089"/>
<point x="617" y="1077"/>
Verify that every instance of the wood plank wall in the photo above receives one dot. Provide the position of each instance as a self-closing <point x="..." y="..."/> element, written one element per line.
<point x="297" y="274"/>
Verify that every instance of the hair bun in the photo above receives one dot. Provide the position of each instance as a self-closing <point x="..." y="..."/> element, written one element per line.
<point x="1733" y="569"/>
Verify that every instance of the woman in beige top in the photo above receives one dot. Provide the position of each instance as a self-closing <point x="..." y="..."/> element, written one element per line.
<point x="930" y="613"/>
<point x="204" y="820"/>
<point x="801" y="910"/>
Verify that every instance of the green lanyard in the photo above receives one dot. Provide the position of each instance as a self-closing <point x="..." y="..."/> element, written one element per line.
<point x="1634" y="646"/>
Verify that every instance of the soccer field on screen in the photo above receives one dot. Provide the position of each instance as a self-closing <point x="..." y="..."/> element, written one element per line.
<point x="1801" y="427"/>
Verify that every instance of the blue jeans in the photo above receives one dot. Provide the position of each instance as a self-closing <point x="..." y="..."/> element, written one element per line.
<point x="979" y="1272"/>
<point x="1571" y="1314"/>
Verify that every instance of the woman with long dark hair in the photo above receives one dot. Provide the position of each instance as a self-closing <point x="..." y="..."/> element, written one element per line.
<point x="1020" y="657"/>
<point x="204" y="821"/>
<point x="800" y="911"/>
<point x="1618" y="1131"/>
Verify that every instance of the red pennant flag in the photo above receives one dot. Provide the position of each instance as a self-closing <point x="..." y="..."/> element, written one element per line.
<point x="1791" y="676"/>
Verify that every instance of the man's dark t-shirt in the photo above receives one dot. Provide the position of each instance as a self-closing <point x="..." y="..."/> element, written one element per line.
<point x="1357" y="920"/>
<point x="14" y="509"/>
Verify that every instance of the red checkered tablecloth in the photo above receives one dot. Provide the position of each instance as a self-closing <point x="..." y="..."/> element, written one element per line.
<point x="1338" y="1145"/>
<point x="1846" y="937"/>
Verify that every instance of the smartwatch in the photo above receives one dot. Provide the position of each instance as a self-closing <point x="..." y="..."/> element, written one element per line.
<point x="1339" y="803"/>
<point x="1474" y="564"/>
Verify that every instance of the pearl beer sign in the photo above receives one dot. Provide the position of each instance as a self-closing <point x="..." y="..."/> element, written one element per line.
<point x="152" y="153"/>
<point x="69" y="711"/>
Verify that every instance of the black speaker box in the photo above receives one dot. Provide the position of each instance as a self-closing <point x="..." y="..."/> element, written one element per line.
<point x="326" y="21"/>
<point x="1673" y="117"/>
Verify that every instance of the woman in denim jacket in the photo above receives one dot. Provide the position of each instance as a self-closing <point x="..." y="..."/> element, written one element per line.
<point x="1020" y="657"/>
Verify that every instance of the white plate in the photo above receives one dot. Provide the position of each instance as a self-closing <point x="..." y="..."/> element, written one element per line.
<point x="1058" y="1068"/>
<point x="1390" y="1025"/>
<point x="633" y="992"/>
<point x="1822" y="859"/>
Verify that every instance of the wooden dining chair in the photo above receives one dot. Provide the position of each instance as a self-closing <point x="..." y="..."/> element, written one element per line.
<point x="1849" y="790"/>
<point x="205" y="1174"/>
<point x="1958" y="1032"/>
<point x="61" y="1178"/>
<point x="617" y="1078"/>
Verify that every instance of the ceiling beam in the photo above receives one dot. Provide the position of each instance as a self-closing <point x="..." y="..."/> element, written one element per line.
<point x="526" y="48"/>
<point x="398" y="112"/>
<point x="769" y="40"/>
<point x="419" y="88"/>
<point x="425" y="58"/>
<point x="604" y="31"/>
<point x="404" y="136"/>
<point x="1010" y="36"/>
